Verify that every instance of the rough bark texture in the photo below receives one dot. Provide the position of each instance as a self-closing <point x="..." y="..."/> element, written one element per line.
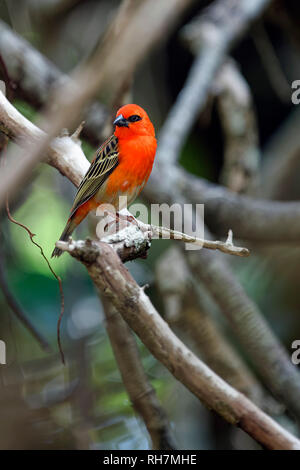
<point x="113" y="280"/>
<point x="141" y="393"/>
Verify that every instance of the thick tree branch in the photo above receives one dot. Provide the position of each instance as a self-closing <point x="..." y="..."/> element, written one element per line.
<point x="238" y="120"/>
<point x="141" y="393"/>
<point x="233" y="301"/>
<point x="212" y="36"/>
<point x="64" y="153"/>
<point x="176" y="182"/>
<point x="119" y="51"/>
<point x="113" y="280"/>
<point x="35" y="77"/>
<point x="265" y="351"/>
<point x="250" y="219"/>
<point x="186" y="306"/>
<point x="281" y="161"/>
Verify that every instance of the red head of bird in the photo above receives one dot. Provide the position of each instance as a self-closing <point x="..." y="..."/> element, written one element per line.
<point x="132" y="121"/>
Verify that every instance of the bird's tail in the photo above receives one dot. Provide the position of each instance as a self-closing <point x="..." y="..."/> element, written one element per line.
<point x="68" y="230"/>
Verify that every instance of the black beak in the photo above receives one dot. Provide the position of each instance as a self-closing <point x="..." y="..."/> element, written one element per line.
<point x="120" y="121"/>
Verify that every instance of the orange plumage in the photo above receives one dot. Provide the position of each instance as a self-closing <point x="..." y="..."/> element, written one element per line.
<point x="121" y="167"/>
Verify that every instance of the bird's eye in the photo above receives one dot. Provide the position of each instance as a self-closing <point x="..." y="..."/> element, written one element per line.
<point x="134" y="118"/>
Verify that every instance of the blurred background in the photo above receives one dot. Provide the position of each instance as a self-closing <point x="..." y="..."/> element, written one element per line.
<point x="83" y="405"/>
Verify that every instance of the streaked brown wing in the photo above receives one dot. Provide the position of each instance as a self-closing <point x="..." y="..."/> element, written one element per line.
<point x="104" y="163"/>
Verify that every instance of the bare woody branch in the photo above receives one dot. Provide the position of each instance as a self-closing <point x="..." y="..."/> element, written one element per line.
<point x="268" y="356"/>
<point x="141" y="393"/>
<point x="248" y="218"/>
<point x="263" y="347"/>
<point x="187" y="306"/>
<point x="36" y="77"/>
<point x="118" y="52"/>
<point x="140" y="234"/>
<point x="212" y="36"/>
<point x="238" y="120"/>
<point x="190" y="186"/>
<point x="281" y="161"/>
<point x="113" y="280"/>
<point x="66" y="155"/>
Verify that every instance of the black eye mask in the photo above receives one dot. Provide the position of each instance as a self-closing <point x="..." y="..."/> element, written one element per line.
<point x="134" y="118"/>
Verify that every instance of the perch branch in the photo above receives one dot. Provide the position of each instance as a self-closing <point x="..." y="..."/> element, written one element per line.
<point x="248" y="218"/>
<point x="134" y="235"/>
<point x="113" y="280"/>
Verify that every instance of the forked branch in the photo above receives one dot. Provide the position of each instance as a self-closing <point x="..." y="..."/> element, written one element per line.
<point x="114" y="281"/>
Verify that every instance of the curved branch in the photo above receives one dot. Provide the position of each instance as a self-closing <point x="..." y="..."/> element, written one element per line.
<point x="212" y="36"/>
<point x="238" y="120"/>
<point x="113" y="280"/>
<point x="63" y="153"/>
<point x="34" y="78"/>
<point x="186" y="305"/>
<point x="250" y="219"/>
<point x="263" y="347"/>
<point x="141" y="393"/>
<point x="18" y="312"/>
<point x="264" y="350"/>
<point x="119" y="51"/>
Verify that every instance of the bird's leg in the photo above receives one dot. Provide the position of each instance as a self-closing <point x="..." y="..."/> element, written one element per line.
<point x="128" y="218"/>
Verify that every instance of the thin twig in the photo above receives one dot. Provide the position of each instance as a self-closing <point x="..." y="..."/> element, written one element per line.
<point x="226" y="247"/>
<point x="62" y="299"/>
<point x="18" y="311"/>
<point x="31" y="236"/>
<point x="135" y="235"/>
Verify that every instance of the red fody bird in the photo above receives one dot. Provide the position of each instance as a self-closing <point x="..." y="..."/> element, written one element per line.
<point x="121" y="167"/>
